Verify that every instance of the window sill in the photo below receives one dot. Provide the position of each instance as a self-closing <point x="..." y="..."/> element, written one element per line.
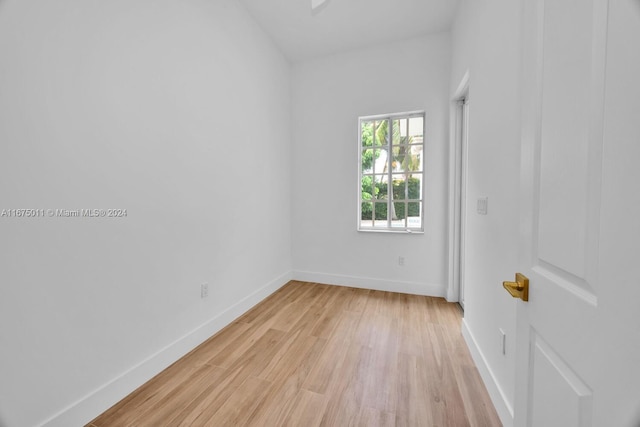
<point x="367" y="230"/>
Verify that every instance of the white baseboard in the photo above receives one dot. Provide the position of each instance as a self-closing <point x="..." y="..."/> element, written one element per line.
<point x="414" y="288"/>
<point x="503" y="408"/>
<point x="92" y="405"/>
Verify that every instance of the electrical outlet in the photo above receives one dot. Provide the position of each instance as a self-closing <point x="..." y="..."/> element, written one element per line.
<point x="204" y="290"/>
<point x="503" y="341"/>
<point x="401" y="261"/>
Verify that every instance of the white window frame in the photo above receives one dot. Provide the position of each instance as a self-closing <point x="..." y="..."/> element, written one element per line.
<point x="407" y="229"/>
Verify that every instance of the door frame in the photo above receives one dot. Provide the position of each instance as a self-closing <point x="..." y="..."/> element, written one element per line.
<point x="458" y="155"/>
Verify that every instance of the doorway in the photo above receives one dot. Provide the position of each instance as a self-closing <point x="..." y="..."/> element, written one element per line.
<point x="458" y="179"/>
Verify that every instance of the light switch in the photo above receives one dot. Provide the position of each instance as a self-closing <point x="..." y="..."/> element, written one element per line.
<point x="483" y="203"/>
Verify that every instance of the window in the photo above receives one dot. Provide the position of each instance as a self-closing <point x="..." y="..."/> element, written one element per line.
<point x="391" y="172"/>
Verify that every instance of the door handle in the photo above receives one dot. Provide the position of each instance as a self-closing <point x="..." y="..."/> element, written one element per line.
<point x="519" y="288"/>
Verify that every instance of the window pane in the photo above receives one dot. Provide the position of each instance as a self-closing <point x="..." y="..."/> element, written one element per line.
<point x="414" y="215"/>
<point x="397" y="137"/>
<point x="400" y="212"/>
<point x="367" y="160"/>
<point x="414" y="209"/>
<point x="399" y="224"/>
<point x="367" y="188"/>
<point x="381" y="136"/>
<point x="416" y="129"/>
<point x="402" y="123"/>
<point x="381" y="190"/>
<point x="380" y="215"/>
<point x="380" y="162"/>
<point x="399" y="187"/>
<point x="414" y="186"/>
<point x="417" y="157"/>
<point x="381" y="210"/>
<point x="407" y="158"/>
<point x="366" y="212"/>
<point x="366" y="134"/>
<point x="395" y="153"/>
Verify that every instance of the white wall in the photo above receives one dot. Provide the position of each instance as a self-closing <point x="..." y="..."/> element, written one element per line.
<point x="329" y="94"/>
<point x="179" y="112"/>
<point x="486" y="42"/>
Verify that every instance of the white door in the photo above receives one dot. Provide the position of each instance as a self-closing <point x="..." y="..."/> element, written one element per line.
<point x="578" y="337"/>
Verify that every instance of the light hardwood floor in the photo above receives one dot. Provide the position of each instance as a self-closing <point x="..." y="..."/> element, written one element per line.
<point x="319" y="355"/>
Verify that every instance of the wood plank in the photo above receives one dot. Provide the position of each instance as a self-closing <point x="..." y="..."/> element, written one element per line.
<point x="170" y="406"/>
<point x="382" y="383"/>
<point x="289" y="293"/>
<point x="207" y="403"/>
<point x="289" y="315"/>
<point x="291" y="355"/>
<point x="370" y="417"/>
<point x="332" y="314"/>
<point x="239" y="348"/>
<point x="441" y="387"/>
<point x="413" y="409"/>
<point x="345" y="394"/>
<point x="308" y="410"/>
<point x="237" y="410"/>
<point x="358" y="301"/>
<point x="326" y="368"/>
<point x="287" y="384"/>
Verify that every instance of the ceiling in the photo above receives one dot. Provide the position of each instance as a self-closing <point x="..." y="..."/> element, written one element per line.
<point x="341" y="25"/>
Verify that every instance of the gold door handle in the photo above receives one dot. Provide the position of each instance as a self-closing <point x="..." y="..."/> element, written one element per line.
<point x="519" y="288"/>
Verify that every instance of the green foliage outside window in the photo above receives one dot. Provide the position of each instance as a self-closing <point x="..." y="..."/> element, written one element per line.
<point x="398" y="194"/>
